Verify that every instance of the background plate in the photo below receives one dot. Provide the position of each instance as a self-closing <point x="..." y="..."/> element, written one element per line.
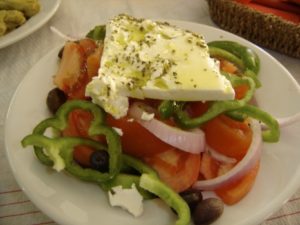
<point x="48" y="8"/>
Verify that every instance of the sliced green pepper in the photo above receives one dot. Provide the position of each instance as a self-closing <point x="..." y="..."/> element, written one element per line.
<point x="247" y="55"/>
<point x="60" y="121"/>
<point x="217" y="107"/>
<point x="98" y="33"/>
<point x="155" y="186"/>
<point x="60" y="150"/>
<point x="218" y="52"/>
<point x="270" y="135"/>
<point x="126" y="180"/>
<point x="167" y="108"/>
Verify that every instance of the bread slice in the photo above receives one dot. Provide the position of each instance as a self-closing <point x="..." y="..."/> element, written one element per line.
<point x="266" y="30"/>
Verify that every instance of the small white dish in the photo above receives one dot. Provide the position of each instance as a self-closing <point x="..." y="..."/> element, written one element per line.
<point x="69" y="201"/>
<point x="48" y="8"/>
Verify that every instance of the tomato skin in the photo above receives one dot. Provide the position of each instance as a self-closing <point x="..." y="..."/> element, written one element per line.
<point x="82" y="155"/>
<point x="228" y="67"/>
<point x="240" y="91"/>
<point x="80" y="62"/>
<point x="209" y="166"/>
<point x="196" y="109"/>
<point x="227" y="136"/>
<point x="178" y="169"/>
<point x="136" y="140"/>
<point x="237" y="190"/>
<point x="88" y="45"/>
<point x="93" y="63"/>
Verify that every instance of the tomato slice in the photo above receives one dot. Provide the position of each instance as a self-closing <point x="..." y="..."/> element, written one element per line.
<point x="78" y="125"/>
<point x="195" y="109"/>
<point x="209" y="166"/>
<point x="82" y="155"/>
<point x="228" y="67"/>
<point x="227" y="136"/>
<point x="240" y="91"/>
<point x="237" y="190"/>
<point x="136" y="140"/>
<point x="178" y="169"/>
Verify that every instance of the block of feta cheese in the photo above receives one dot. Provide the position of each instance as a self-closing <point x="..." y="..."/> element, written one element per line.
<point x="147" y="59"/>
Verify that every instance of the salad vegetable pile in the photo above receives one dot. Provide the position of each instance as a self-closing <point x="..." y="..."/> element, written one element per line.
<point x="170" y="149"/>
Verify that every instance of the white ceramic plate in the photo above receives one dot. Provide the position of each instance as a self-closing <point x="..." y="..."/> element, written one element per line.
<point x="70" y="201"/>
<point x="48" y="8"/>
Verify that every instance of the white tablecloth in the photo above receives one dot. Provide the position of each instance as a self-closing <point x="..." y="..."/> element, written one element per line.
<point x="75" y="17"/>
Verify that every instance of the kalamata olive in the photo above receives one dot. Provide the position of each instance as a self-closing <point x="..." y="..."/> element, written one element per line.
<point x="192" y="198"/>
<point x="55" y="99"/>
<point x="99" y="160"/>
<point x="207" y="211"/>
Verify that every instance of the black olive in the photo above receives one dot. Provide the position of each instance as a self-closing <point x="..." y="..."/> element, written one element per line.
<point x="99" y="160"/>
<point x="207" y="211"/>
<point x="55" y="99"/>
<point x="192" y="198"/>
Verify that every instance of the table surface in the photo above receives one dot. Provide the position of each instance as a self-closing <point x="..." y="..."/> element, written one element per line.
<point x="74" y="17"/>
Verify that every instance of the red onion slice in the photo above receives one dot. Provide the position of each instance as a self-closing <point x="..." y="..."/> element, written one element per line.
<point x="220" y="157"/>
<point x="241" y="168"/>
<point x="192" y="141"/>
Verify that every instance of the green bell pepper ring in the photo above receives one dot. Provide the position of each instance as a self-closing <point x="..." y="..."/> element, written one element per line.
<point x="126" y="180"/>
<point x="218" y="107"/>
<point x="155" y="186"/>
<point x="98" y="33"/>
<point x="60" y="121"/>
<point x="60" y="150"/>
<point x="247" y="55"/>
<point x="97" y="127"/>
<point x="218" y="52"/>
<point x="138" y="165"/>
<point x="167" y="108"/>
<point x="273" y="132"/>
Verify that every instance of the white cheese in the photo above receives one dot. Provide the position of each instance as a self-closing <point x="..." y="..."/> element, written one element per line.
<point x="129" y="199"/>
<point x="146" y="59"/>
<point x="147" y="116"/>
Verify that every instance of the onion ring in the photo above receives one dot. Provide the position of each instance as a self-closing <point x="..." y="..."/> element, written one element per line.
<point x="192" y="141"/>
<point x="241" y="168"/>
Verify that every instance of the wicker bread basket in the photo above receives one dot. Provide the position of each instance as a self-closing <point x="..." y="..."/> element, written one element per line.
<point x="265" y="30"/>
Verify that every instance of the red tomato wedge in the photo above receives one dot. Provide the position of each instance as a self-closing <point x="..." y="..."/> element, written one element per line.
<point x="237" y="190"/>
<point x="196" y="109"/>
<point x="209" y="166"/>
<point x="136" y="140"/>
<point x="227" y="136"/>
<point x="78" y="125"/>
<point x="240" y="91"/>
<point x="79" y="63"/>
<point x="82" y="155"/>
<point x="176" y="168"/>
<point x="228" y="67"/>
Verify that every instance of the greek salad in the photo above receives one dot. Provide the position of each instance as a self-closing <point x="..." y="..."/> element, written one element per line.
<point x="147" y="110"/>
